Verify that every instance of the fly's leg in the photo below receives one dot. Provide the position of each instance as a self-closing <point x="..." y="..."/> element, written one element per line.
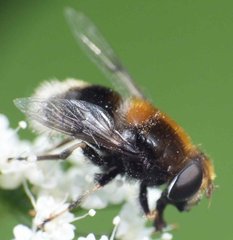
<point x="143" y="199"/>
<point x="62" y="155"/>
<point x="104" y="178"/>
<point x="101" y="179"/>
<point x="71" y="206"/>
<point x="159" y="222"/>
<point x="156" y="215"/>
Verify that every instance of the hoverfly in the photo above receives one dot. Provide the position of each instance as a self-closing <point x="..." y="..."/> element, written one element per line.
<point x="125" y="136"/>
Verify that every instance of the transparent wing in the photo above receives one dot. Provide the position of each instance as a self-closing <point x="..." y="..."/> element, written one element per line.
<point x="92" y="41"/>
<point x="76" y="118"/>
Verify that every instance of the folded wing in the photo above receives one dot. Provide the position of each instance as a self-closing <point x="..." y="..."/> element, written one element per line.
<point x="76" y="118"/>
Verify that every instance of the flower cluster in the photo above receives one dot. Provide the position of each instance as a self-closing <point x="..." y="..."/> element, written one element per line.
<point x="52" y="186"/>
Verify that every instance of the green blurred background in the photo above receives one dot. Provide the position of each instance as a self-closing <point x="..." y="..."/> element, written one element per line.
<point x="180" y="53"/>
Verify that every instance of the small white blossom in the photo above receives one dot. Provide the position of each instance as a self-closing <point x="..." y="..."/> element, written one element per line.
<point x="116" y="220"/>
<point x="103" y="237"/>
<point x="92" y="212"/>
<point x="59" y="228"/>
<point x="22" y="232"/>
<point x="132" y="225"/>
<point x="22" y="124"/>
<point x="166" y="236"/>
<point x="12" y="172"/>
<point x="91" y="236"/>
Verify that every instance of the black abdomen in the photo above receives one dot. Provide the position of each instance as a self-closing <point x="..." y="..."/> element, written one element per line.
<point x="104" y="97"/>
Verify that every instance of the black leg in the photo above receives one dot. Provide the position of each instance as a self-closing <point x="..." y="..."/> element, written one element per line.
<point x="101" y="179"/>
<point x="71" y="206"/>
<point x="161" y="204"/>
<point x="93" y="156"/>
<point x="143" y="198"/>
<point x="62" y="155"/>
<point x="108" y="174"/>
<point x="104" y="178"/>
<point x="156" y="215"/>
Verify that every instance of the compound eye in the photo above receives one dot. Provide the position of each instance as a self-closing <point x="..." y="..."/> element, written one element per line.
<point x="186" y="183"/>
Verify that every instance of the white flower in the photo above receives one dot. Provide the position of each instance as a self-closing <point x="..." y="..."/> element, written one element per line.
<point x="22" y="232"/>
<point x="58" y="228"/>
<point x="12" y="172"/>
<point x="132" y="225"/>
<point x="91" y="236"/>
<point x="166" y="236"/>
